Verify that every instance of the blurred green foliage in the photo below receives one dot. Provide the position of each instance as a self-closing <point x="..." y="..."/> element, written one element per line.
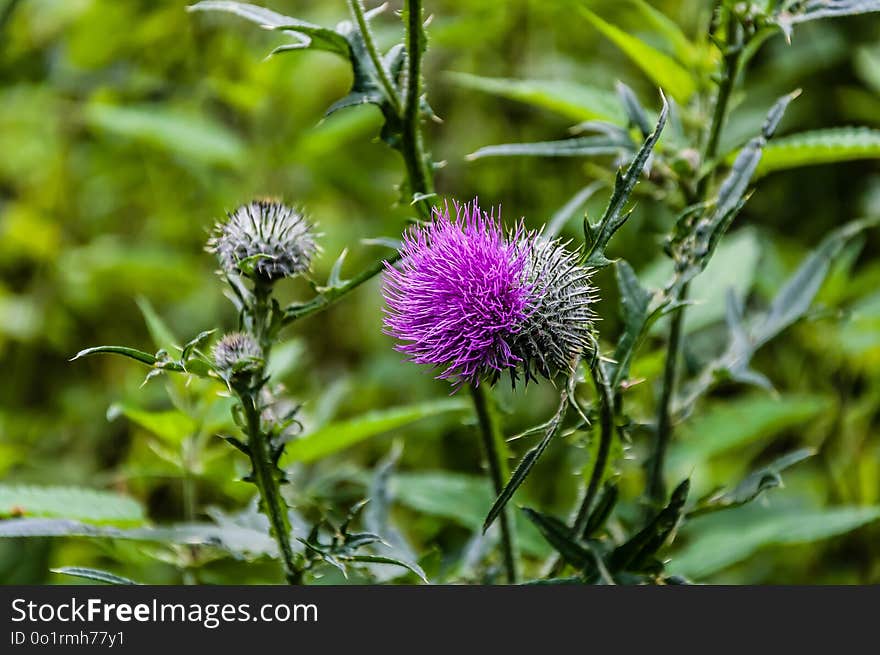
<point x="127" y="128"/>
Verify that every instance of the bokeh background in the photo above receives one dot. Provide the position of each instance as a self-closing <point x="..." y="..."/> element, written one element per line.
<point x="127" y="128"/>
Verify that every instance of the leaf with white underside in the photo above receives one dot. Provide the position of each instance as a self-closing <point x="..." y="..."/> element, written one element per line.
<point x="94" y="575"/>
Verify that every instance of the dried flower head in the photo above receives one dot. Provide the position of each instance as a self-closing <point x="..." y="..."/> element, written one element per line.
<point x="473" y="300"/>
<point x="264" y="240"/>
<point x="237" y="355"/>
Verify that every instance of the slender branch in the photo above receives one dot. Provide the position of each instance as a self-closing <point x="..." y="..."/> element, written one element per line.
<point x="357" y="10"/>
<point x="494" y="446"/>
<point x="332" y="295"/>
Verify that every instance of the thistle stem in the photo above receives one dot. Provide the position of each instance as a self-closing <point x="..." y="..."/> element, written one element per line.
<point x="656" y="486"/>
<point x="606" y="437"/>
<point x="494" y="446"/>
<point x="268" y="484"/>
<point x="412" y="145"/>
<point x="357" y="10"/>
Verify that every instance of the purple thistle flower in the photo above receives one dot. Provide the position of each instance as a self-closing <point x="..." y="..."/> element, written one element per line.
<point x="474" y="301"/>
<point x="460" y="295"/>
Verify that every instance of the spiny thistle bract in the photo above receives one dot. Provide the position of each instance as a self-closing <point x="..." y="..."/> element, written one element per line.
<point x="475" y="301"/>
<point x="237" y="355"/>
<point x="264" y="240"/>
<point x="560" y="319"/>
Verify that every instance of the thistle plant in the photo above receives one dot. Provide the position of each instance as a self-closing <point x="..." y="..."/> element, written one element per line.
<point x="475" y="301"/>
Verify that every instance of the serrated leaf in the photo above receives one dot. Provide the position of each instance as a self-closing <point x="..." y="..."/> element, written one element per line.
<point x="560" y="536"/>
<point x="721" y="540"/>
<point x="634" y="553"/>
<point x="576" y="101"/>
<point x="796" y="295"/>
<point x="659" y="67"/>
<point x="131" y="353"/>
<point x="311" y="35"/>
<point x="793" y="12"/>
<point x="615" y="216"/>
<point x="583" y="146"/>
<point x="87" y="505"/>
<point x="342" y="434"/>
<point x="525" y="465"/>
<point x="94" y="575"/>
<point x="819" y="147"/>
<point x="380" y="559"/>
<point x="752" y="486"/>
<point x="635" y="302"/>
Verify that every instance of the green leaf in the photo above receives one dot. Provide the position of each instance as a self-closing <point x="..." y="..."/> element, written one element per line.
<point x="77" y="503"/>
<point x="635" y="302"/>
<point x="659" y="67"/>
<point x="132" y="353"/>
<point x="615" y="216"/>
<point x="731" y="197"/>
<point x="172" y="426"/>
<point x="94" y="575"/>
<point x="724" y="539"/>
<point x="794" y="12"/>
<point x="522" y="470"/>
<point x="560" y="536"/>
<point x="820" y="147"/>
<point x="732" y="268"/>
<point x="734" y="424"/>
<point x="238" y="540"/>
<point x="750" y="488"/>
<point x="683" y="48"/>
<point x="379" y="559"/>
<point x="582" y="146"/>
<point x="568" y="211"/>
<point x="161" y="334"/>
<point x="462" y="499"/>
<point x="310" y="35"/>
<point x="797" y="294"/>
<point x="336" y="436"/>
<point x="192" y="136"/>
<point x="576" y="101"/>
<point x="635" y="553"/>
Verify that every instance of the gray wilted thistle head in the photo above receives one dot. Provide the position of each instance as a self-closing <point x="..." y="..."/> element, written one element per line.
<point x="474" y="300"/>
<point x="264" y="240"/>
<point x="237" y="356"/>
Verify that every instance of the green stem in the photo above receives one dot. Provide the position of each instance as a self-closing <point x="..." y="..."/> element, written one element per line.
<point x="494" y="446"/>
<point x="268" y="484"/>
<point x="656" y="486"/>
<point x="606" y="437"/>
<point x="357" y="10"/>
<point x="419" y="175"/>
<point x="412" y="145"/>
